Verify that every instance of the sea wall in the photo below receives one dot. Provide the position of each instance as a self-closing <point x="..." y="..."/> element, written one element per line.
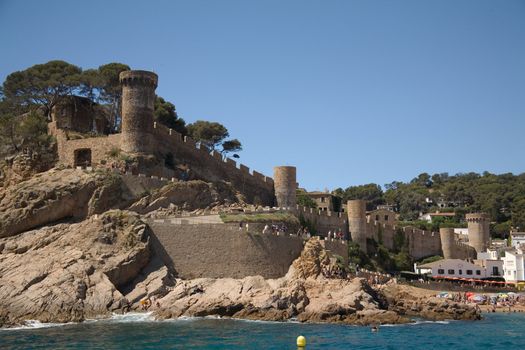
<point x="222" y="250"/>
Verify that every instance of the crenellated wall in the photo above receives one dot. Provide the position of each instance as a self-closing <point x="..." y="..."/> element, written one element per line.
<point x="422" y="243"/>
<point x="257" y="188"/>
<point x="204" y="165"/>
<point x="324" y="221"/>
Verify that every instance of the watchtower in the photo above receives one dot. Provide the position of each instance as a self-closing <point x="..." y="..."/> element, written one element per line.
<point x="138" y="98"/>
<point x="357" y="222"/>
<point x="478" y="231"/>
<point x="285" y="186"/>
<point x="448" y="242"/>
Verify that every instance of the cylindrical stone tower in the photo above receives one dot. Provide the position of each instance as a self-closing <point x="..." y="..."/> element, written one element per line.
<point x="478" y="231"/>
<point x="285" y="185"/>
<point x="448" y="242"/>
<point x="138" y="98"/>
<point x="357" y="221"/>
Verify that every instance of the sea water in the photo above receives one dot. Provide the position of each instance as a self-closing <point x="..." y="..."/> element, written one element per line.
<point x="140" y="331"/>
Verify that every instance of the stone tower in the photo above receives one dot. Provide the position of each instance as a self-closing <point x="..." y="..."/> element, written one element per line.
<point x="285" y="185"/>
<point x="357" y="221"/>
<point x="448" y="242"/>
<point x="138" y="98"/>
<point x="478" y="231"/>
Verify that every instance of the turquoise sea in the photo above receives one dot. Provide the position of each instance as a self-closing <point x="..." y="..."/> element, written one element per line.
<point x="136" y="331"/>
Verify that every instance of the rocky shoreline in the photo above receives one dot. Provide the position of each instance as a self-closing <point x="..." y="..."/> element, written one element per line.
<point x="104" y="265"/>
<point x="94" y="262"/>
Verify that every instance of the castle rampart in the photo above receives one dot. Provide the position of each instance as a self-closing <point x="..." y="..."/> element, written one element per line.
<point x="323" y="221"/>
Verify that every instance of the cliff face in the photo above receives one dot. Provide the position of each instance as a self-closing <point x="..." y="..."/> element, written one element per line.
<point x="56" y="195"/>
<point x="71" y="271"/>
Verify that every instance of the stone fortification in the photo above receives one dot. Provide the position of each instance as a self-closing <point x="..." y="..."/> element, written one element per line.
<point x="138" y="99"/>
<point x="323" y="221"/>
<point x="357" y="222"/>
<point x="212" y="167"/>
<point x="285" y="183"/>
<point x="451" y="248"/>
<point x="478" y="231"/>
<point x="420" y="243"/>
<point x="222" y="250"/>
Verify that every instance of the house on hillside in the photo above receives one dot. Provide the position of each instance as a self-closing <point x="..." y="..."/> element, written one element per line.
<point x="428" y="217"/>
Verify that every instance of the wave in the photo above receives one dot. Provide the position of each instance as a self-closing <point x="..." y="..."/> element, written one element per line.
<point x="124" y="318"/>
<point x="415" y="323"/>
<point x="35" y="324"/>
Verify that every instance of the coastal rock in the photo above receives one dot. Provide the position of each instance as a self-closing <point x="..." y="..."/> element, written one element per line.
<point x="65" y="273"/>
<point x="190" y="195"/>
<point x="69" y="272"/>
<point x="411" y="301"/>
<point x="55" y="195"/>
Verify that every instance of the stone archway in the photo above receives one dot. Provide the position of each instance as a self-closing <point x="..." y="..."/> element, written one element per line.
<point x="83" y="157"/>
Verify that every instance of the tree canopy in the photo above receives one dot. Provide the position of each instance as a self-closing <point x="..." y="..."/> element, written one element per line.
<point x="213" y="136"/>
<point x="42" y="84"/>
<point x="165" y="114"/>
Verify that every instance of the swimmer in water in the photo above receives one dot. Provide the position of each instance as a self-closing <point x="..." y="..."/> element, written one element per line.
<point x="374" y="329"/>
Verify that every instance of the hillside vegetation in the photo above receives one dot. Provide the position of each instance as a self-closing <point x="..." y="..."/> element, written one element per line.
<point x="501" y="196"/>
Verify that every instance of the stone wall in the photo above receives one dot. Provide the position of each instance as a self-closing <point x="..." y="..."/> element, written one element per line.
<point x="221" y="250"/>
<point x="99" y="146"/>
<point x="208" y="166"/>
<point x="422" y="243"/>
<point x="204" y="165"/>
<point x="324" y="221"/>
<point x="337" y="247"/>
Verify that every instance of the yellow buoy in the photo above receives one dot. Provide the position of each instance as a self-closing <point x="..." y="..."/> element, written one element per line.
<point x="301" y="341"/>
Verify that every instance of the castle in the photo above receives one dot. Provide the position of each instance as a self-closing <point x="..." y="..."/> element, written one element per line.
<point x="158" y="150"/>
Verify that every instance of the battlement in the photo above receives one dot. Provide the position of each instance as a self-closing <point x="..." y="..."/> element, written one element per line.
<point x="138" y="77"/>
<point x="477" y="217"/>
<point x="185" y="149"/>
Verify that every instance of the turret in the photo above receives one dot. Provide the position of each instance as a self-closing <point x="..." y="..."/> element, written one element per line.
<point x="138" y="98"/>
<point x="357" y="222"/>
<point x="285" y="185"/>
<point x="448" y="242"/>
<point x="478" y="231"/>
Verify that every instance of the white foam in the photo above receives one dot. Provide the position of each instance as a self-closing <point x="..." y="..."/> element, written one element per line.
<point x="132" y="317"/>
<point x="35" y="324"/>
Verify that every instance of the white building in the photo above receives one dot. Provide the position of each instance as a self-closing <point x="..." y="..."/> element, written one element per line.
<point x="517" y="238"/>
<point x="490" y="254"/>
<point x="461" y="268"/>
<point x="429" y="216"/>
<point x="513" y="265"/>
<point x="461" y="231"/>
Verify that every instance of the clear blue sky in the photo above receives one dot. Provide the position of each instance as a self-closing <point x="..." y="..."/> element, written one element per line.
<point x="350" y="92"/>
